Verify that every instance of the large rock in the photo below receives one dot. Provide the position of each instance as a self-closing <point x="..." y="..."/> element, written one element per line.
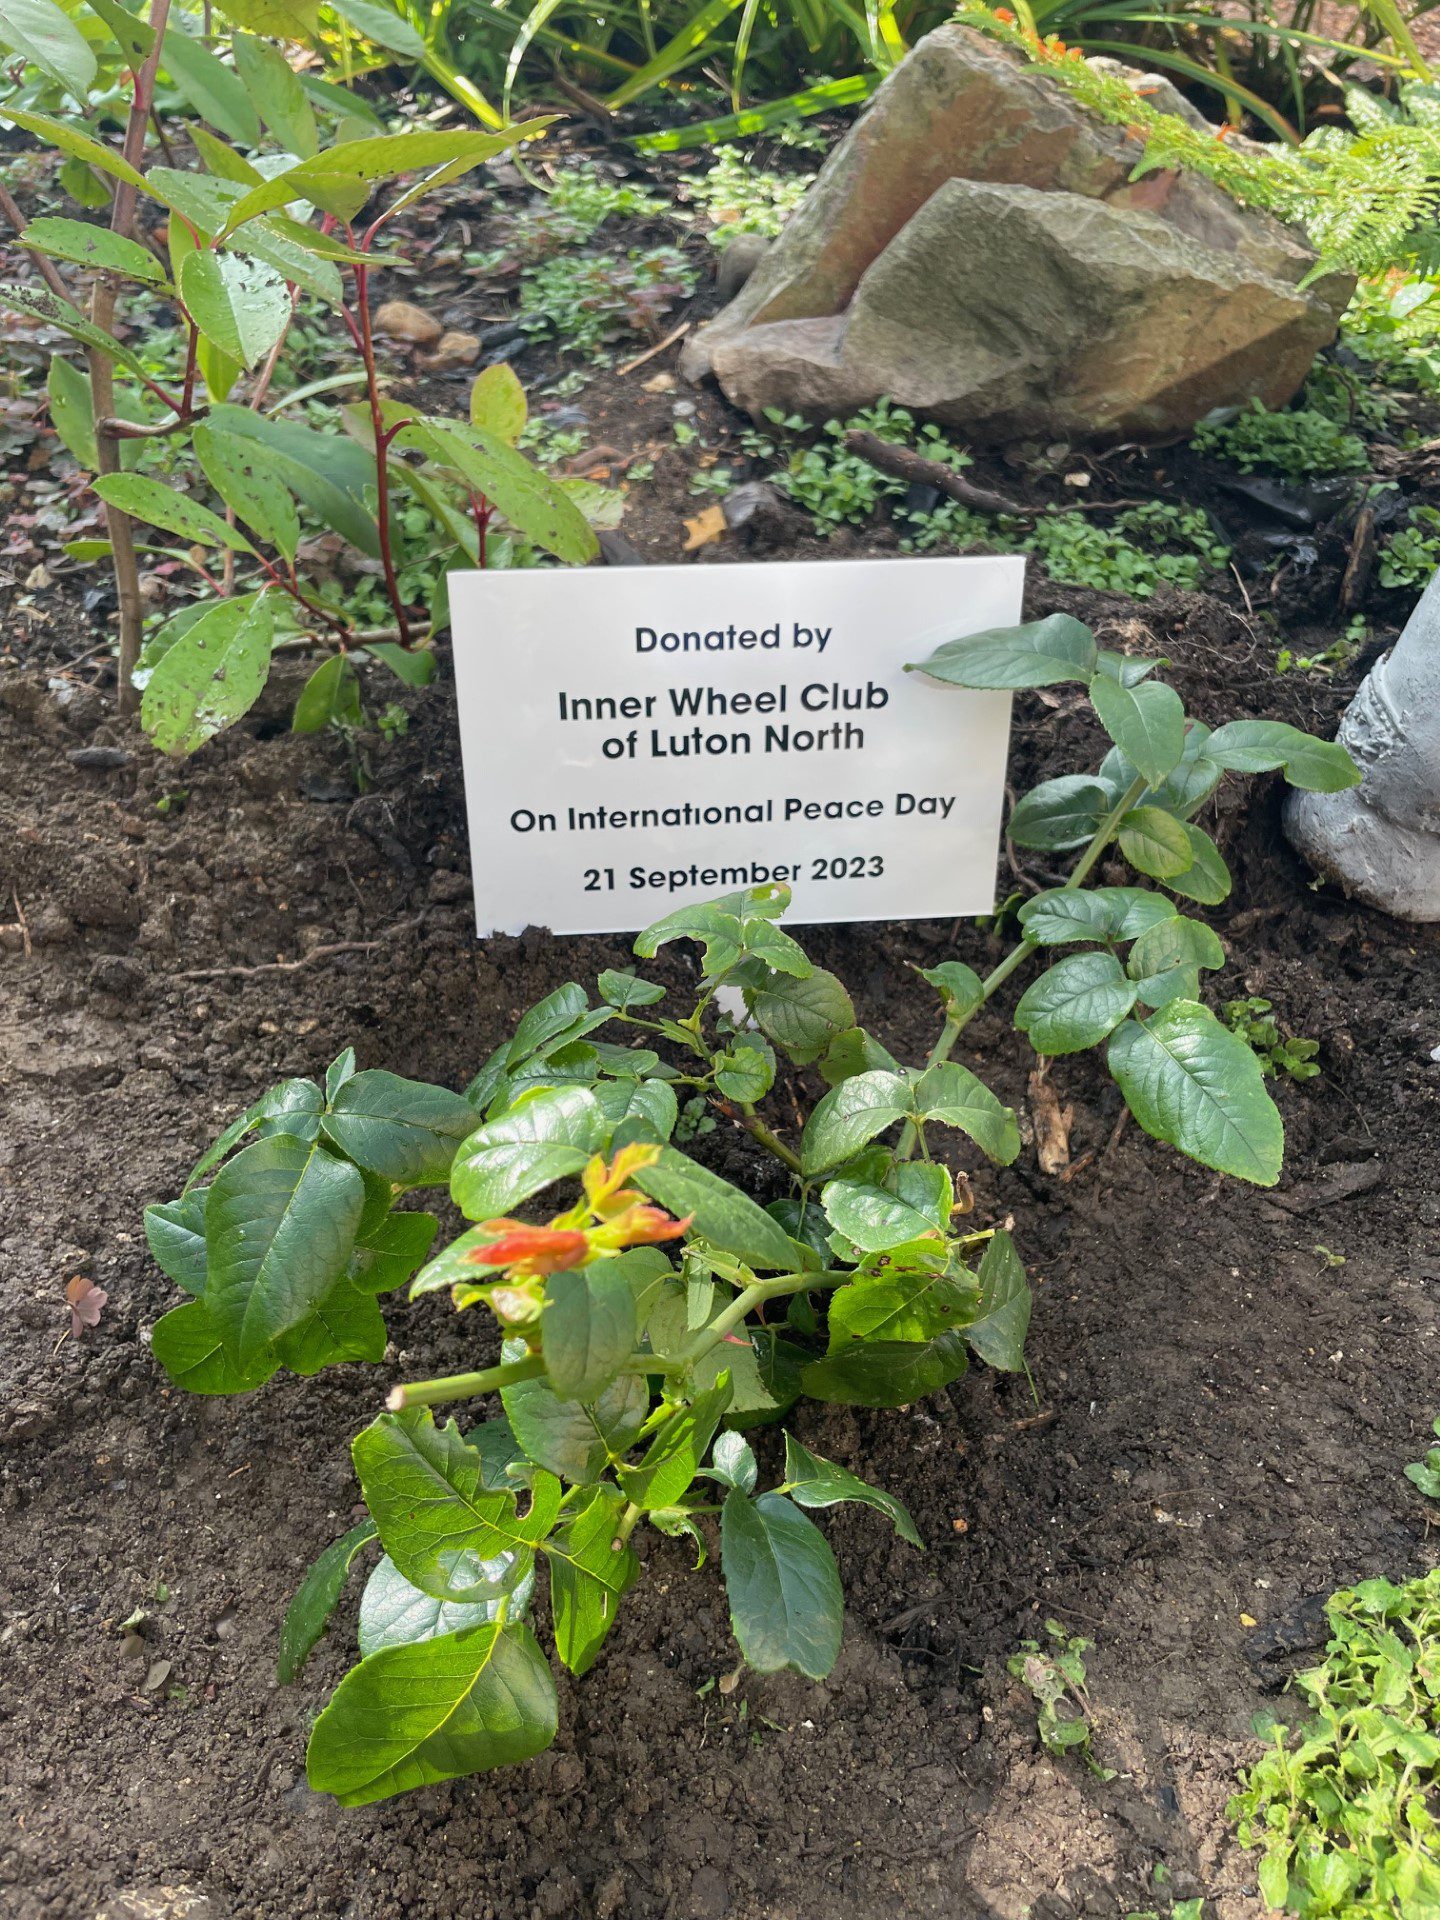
<point x="975" y="246"/>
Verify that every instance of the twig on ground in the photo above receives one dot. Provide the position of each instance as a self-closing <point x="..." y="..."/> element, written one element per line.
<point x="315" y="953"/>
<point x="916" y="470"/>
<point x="659" y="347"/>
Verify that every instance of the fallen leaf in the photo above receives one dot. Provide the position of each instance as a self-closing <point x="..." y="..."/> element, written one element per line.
<point x="1052" y="1124"/>
<point x="87" y="1302"/>
<point x="704" y="528"/>
<point x="1248" y="1620"/>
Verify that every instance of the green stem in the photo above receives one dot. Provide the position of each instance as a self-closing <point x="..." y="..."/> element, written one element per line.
<point x="757" y="1130"/>
<point x="464" y="1386"/>
<point x="1021" y="952"/>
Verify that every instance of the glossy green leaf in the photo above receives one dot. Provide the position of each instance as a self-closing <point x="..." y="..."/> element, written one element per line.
<point x="344" y="1324"/>
<point x="1191" y="1082"/>
<point x="161" y="506"/>
<point x="746" y="1070"/>
<point x="283" y="19"/>
<point x="276" y="91"/>
<point x="733" y="1462"/>
<point x="1040" y="654"/>
<point x="241" y="305"/>
<point x="571" y="1440"/>
<point x="1176" y="942"/>
<point x="998" y="1331"/>
<point x="1155" y="842"/>
<point x="529" y="499"/>
<point x="213" y="89"/>
<point x="954" y="1097"/>
<point x="175" y="1231"/>
<point x="802" y="1016"/>
<point x="886" y="1373"/>
<point x="316" y="1599"/>
<point x="850" y="1116"/>
<point x="438" y="1522"/>
<point x="44" y="305"/>
<point x="248" y="478"/>
<point x="546" y="1136"/>
<point x="914" y="1200"/>
<point x="77" y="144"/>
<point x="212" y="675"/>
<point x="1075" y="1003"/>
<point x="622" y="990"/>
<point x="72" y="410"/>
<point x="1184" y="790"/>
<point x="813" y="1482"/>
<point x="588" y="1329"/>
<point x="1067" y="914"/>
<point x="589" y="1576"/>
<point x="406" y="1131"/>
<point x="786" y="1605"/>
<point x="39" y="32"/>
<point x="187" y="1342"/>
<point x="292" y="1106"/>
<point x="497" y="403"/>
<point x="854" y="1051"/>
<point x="331" y="696"/>
<point x="1147" y="723"/>
<point x="1260" y="746"/>
<point x="328" y="472"/>
<point x="93" y="246"/>
<point x="723" y="1215"/>
<point x="434" y="1710"/>
<point x="389" y="1251"/>
<point x="1060" y="814"/>
<point x="383" y="26"/>
<point x="280" y="1225"/>
<point x="1207" y="878"/>
<point x="644" y="1110"/>
<point x="394" y="1613"/>
<point x="673" y="1458"/>
<point x="960" y="988"/>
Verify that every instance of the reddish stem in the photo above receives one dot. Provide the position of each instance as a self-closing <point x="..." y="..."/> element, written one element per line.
<point x="366" y="343"/>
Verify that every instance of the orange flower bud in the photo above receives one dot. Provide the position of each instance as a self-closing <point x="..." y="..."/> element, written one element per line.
<point x="1004" y="13"/>
<point x="538" y="1249"/>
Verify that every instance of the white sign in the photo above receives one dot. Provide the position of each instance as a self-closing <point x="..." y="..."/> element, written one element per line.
<point x="635" y="738"/>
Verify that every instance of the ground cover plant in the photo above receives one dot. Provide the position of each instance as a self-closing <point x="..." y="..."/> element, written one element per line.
<point x="661" y="1309"/>
<point x="247" y="237"/>
<point x="1342" y="1810"/>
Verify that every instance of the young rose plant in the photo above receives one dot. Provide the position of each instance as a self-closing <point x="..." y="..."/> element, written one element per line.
<point x="282" y="211"/>
<point x="662" y="1310"/>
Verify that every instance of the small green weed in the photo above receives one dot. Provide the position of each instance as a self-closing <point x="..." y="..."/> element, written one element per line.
<point x="588" y="302"/>
<point x="1253" y="1019"/>
<point x="740" y="198"/>
<point x="582" y="200"/>
<point x="1343" y="1811"/>
<point x="1411" y="554"/>
<point x="1054" y="1675"/>
<point x="1425" y="1473"/>
<point x="1339" y="653"/>
<point x="1298" y="442"/>
<point x="1393" y="325"/>
<point x="839" y="488"/>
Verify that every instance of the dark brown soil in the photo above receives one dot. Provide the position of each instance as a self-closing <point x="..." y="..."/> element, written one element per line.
<point x="1227" y="1383"/>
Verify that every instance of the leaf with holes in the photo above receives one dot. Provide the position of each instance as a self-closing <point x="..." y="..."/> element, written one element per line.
<point x="211" y="676"/>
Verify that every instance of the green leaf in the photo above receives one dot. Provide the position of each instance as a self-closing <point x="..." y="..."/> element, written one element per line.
<point x="854" y="1051"/>
<point x="1176" y="942"/>
<point x="733" y="1462"/>
<point x="998" y="1332"/>
<point x="330" y="473"/>
<point x="175" y="1230"/>
<point x="813" y="1482"/>
<point x="961" y="989"/>
<point x="1259" y="746"/>
<point x="85" y="188"/>
<point x="240" y="305"/>
<point x="588" y="1329"/>
<point x="914" y="1301"/>
<point x="41" y="33"/>
<point x="438" y="1522"/>
<point x="407" y="1131"/>
<point x="529" y="499"/>
<point x="1207" y="879"/>
<point x="1146" y="722"/>
<point x="497" y="403"/>
<point x="802" y="1017"/>
<point x="55" y="312"/>
<point x="211" y="676"/>
<point x="280" y="1224"/>
<point x="330" y="696"/>
<point x="132" y="36"/>
<point x="161" y="506"/>
<point x="746" y="1071"/>
<point x="412" y="666"/>
<point x="886" y="1373"/>
<point x="389" y="1251"/>
<point x="248" y="478"/>
<point x="850" y="1116"/>
<point x="623" y="990"/>
<point x="637" y="1110"/>
<point x="954" y="1096"/>
<point x="283" y="19"/>
<point x="317" y="1597"/>
<point x="1059" y="815"/>
<point x="213" y="89"/>
<point x="409" y="1716"/>
<point x="673" y="1458"/>
<point x="95" y="247"/>
<point x="1039" y="654"/>
<point x="394" y="1613"/>
<point x="546" y="1136"/>
<point x="72" y="410"/>
<point x="786" y="1606"/>
<point x="1155" y="843"/>
<point x="1075" y="1003"/>
<point x="1188" y="1080"/>
<point x="79" y="146"/>
<point x="187" y="1343"/>
<point x="276" y="91"/>
<point x="291" y="1106"/>
<point x="383" y="26"/>
<point x="1066" y="914"/>
<point x="723" y="1215"/>
<point x="222" y="160"/>
<point x="589" y="1576"/>
<point x="574" y="1441"/>
<point x="915" y="1200"/>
